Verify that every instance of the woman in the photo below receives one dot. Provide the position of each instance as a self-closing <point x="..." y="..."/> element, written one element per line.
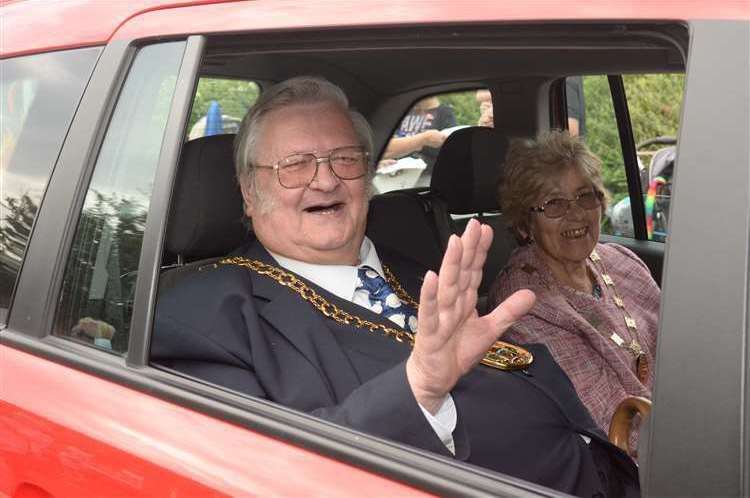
<point x="597" y="304"/>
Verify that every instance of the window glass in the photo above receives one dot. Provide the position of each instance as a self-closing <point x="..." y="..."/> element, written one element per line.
<point x="654" y="102"/>
<point x="220" y="105"/>
<point x="98" y="290"/>
<point x="410" y="154"/>
<point x="39" y="95"/>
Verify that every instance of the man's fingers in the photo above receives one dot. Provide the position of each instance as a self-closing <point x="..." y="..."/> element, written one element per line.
<point x="450" y="271"/>
<point x="469" y="241"/>
<point x="427" y="315"/>
<point x="511" y="310"/>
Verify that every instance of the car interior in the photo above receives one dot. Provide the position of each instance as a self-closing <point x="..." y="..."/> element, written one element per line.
<point x="383" y="73"/>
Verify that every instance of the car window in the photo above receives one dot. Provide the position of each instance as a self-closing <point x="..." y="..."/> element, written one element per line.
<point x="98" y="289"/>
<point x="220" y="105"/>
<point x="40" y="94"/>
<point x="411" y="153"/>
<point x="654" y="102"/>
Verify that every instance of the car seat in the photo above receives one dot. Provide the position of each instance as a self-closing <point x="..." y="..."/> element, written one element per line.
<point x="206" y="219"/>
<point x="464" y="186"/>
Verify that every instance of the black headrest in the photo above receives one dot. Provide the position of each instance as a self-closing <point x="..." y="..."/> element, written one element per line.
<point x="467" y="169"/>
<point x="205" y="219"/>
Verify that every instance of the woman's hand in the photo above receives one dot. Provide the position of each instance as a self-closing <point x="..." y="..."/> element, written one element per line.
<point x="452" y="337"/>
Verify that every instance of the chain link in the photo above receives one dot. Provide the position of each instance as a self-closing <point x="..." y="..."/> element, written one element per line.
<point x="502" y="356"/>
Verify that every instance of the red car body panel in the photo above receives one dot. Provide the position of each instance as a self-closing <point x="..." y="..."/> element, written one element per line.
<point x="68" y="24"/>
<point x="121" y="442"/>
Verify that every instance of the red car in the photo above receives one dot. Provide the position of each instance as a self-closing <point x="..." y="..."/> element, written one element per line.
<point x="100" y="101"/>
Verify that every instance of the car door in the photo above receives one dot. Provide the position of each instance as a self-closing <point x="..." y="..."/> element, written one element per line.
<point x="698" y="440"/>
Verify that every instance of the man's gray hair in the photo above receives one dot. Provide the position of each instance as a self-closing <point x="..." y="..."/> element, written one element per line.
<point x="298" y="90"/>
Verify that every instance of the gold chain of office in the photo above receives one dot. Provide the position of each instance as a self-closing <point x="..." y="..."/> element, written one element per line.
<point x="501" y="355"/>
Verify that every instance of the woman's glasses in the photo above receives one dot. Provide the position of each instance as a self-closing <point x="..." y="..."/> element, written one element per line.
<point x="559" y="207"/>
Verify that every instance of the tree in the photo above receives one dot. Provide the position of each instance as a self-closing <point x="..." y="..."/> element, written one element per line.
<point x="234" y="96"/>
<point x="654" y="103"/>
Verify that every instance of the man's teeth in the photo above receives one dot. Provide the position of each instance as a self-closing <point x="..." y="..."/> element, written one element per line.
<point x="323" y="209"/>
<point x="574" y="234"/>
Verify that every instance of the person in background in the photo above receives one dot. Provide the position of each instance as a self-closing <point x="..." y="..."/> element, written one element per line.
<point x="597" y="304"/>
<point x="314" y="316"/>
<point x="419" y="134"/>
<point x="486" y="114"/>
<point x="576" y="106"/>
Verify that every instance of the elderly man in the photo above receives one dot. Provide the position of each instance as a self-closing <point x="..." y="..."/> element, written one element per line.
<point x="313" y="316"/>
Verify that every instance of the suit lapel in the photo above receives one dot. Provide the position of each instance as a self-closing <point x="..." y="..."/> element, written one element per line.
<point x="303" y="326"/>
<point x="310" y="332"/>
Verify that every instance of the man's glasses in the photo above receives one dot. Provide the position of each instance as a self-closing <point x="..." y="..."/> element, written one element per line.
<point x="559" y="207"/>
<point x="299" y="170"/>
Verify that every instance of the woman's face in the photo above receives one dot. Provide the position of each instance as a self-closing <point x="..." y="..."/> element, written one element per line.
<point x="570" y="238"/>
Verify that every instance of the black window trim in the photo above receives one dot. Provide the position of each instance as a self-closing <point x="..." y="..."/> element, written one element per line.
<point x="630" y="159"/>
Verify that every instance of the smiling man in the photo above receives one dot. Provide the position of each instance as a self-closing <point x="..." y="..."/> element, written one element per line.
<point x="313" y="316"/>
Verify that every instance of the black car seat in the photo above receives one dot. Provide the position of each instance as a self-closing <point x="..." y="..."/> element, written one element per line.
<point x="206" y="219"/>
<point x="464" y="186"/>
<point x="402" y="222"/>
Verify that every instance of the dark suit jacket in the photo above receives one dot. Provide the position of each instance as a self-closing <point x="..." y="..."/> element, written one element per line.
<point x="241" y="330"/>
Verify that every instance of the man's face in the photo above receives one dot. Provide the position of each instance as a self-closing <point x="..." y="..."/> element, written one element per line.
<point x="321" y="223"/>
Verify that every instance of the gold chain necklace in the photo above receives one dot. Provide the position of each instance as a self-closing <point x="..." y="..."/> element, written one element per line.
<point x="502" y="356"/>
<point x="635" y="349"/>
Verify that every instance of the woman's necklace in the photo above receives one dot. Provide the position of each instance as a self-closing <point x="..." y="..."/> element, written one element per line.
<point x="641" y="362"/>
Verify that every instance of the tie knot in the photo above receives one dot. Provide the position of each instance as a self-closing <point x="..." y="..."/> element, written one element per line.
<point x="383" y="299"/>
<point x="372" y="282"/>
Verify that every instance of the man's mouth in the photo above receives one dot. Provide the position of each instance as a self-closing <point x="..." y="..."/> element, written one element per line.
<point x="328" y="208"/>
<point x="575" y="233"/>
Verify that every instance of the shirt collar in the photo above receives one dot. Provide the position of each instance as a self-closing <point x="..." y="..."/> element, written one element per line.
<point x="339" y="280"/>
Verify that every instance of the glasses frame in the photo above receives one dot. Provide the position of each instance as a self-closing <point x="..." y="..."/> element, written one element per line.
<point x="543" y="208"/>
<point x="318" y="159"/>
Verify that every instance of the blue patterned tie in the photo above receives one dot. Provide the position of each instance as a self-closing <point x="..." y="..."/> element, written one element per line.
<point x="383" y="299"/>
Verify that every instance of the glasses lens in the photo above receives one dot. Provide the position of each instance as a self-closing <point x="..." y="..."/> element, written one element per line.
<point x="588" y="200"/>
<point x="349" y="163"/>
<point x="296" y="170"/>
<point x="554" y="208"/>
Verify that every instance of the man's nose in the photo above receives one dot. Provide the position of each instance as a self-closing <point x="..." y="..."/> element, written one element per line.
<point x="325" y="178"/>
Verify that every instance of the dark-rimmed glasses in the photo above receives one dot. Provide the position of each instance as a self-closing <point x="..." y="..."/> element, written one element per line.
<point x="299" y="170"/>
<point x="559" y="207"/>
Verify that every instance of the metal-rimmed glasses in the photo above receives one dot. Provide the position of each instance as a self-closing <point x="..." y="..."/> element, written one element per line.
<point x="299" y="170"/>
<point x="559" y="207"/>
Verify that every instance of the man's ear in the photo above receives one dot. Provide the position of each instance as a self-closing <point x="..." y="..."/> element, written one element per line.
<point x="248" y="196"/>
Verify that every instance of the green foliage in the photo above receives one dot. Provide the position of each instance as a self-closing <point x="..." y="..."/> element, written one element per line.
<point x="465" y="106"/>
<point x="234" y="96"/>
<point x="654" y="102"/>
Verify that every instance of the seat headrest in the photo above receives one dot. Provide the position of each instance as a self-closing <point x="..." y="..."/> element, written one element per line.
<point x="206" y="215"/>
<point x="467" y="170"/>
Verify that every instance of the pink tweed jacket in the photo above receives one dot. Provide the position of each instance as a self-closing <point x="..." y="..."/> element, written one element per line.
<point x="576" y="326"/>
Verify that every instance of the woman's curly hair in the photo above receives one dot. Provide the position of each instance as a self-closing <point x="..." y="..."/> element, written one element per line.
<point x="532" y="164"/>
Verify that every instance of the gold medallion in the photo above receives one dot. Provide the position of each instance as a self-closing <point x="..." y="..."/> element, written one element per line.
<point x="504" y="356"/>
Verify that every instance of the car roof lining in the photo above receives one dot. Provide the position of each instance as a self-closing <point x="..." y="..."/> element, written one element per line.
<point x="382" y="62"/>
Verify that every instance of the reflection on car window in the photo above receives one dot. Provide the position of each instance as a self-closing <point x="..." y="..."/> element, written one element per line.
<point x="39" y="97"/>
<point x="220" y="105"/>
<point x="98" y="289"/>
<point x="654" y="103"/>
<point x="411" y="153"/>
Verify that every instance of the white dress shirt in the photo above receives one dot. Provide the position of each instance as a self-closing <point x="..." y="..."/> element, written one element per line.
<point x="341" y="281"/>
